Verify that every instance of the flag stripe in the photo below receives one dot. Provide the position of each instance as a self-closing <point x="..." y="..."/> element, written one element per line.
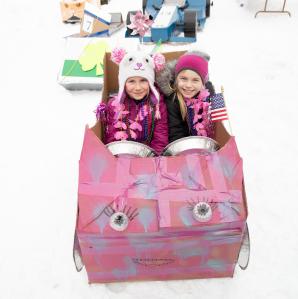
<point x="217" y="119"/>
<point x="219" y="110"/>
<point x="219" y="114"/>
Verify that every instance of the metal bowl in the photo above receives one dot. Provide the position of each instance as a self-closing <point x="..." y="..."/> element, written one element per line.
<point x="130" y="149"/>
<point x="189" y="145"/>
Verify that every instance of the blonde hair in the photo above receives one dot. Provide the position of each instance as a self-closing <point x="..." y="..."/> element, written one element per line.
<point x="181" y="101"/>
<point x="182" y="104"/>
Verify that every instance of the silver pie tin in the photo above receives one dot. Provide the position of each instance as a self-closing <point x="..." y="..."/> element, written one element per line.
<point x="192" y="144"/>
<point x="130" y="148"/>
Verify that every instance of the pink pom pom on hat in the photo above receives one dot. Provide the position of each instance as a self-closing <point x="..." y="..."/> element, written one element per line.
<point x="193" y="62"/>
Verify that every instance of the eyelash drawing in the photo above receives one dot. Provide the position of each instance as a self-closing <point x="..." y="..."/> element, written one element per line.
<point x="202" y="209"/>
<point x="192" y="203"/>
<point x="127" y="210"/>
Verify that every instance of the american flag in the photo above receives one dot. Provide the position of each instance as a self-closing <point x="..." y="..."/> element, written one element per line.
<point x="218" y="108"/>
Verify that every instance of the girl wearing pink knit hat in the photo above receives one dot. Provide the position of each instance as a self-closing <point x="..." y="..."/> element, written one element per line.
<point x="185" y="85"/>
<point x="138" y="112"/>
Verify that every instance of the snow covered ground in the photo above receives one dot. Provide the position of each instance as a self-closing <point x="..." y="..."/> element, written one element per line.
<point x="42" y="127"/>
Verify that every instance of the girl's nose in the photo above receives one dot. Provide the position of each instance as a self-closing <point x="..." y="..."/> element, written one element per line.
<point x="188" y="83"/>
<point x="138" y="86"/>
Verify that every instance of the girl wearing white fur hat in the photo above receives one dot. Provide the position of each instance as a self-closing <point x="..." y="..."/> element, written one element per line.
<point x="138" y="112"/>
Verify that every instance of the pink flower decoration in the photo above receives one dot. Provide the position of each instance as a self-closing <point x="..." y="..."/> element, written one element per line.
<point x="201" y="112"/>
<point x="119" y="110"/>
<point x="197" y="105"/>
<point x="206" y="105"/>
<point x="140" y="23"/>
<point x="135" y="126"/>
<point x="120" y="124"/>
<point x="204" y="93"/>
<point x="189" y="102"/>
<point x="141" y="116"/>
<point x="133" y="134"/>
<point x="197" y="117"/>
<point x="159" y="61"/>
<point x="117" y="106"/>
<point x="117" y="55"/>
<point x="124" y="112"/>
<point x="199" y="126"/>
<point x="120" y="135"/>
<point x="203" y="132"/>
<point x="157" y="112"/>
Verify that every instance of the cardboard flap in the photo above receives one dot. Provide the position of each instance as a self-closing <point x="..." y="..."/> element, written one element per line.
<point x="96" y="160"/>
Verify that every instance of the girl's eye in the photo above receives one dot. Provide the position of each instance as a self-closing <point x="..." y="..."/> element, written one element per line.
<point x="78" y="4"/>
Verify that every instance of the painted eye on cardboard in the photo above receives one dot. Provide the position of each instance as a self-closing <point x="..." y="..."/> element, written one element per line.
<point x="119" y="220"/>
<point x="201" y="210"/>
<point x="109" y="211"/>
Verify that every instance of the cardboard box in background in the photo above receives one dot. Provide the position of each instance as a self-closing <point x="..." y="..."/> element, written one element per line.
<point x="72" y="76"/>
<point x="72" y="11"/>
<point x="82" y="67"/>
<point x="97" y="22"/>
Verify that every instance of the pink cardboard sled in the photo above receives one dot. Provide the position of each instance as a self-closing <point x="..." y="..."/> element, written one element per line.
<point x="163" y="237"/>
<point x="159" y="218"/>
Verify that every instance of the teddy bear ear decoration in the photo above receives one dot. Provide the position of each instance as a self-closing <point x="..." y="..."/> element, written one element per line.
<point x="159" y="61"/>
<point x="118" y="54"/>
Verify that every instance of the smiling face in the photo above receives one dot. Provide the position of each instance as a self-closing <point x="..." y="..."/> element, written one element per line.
<point x="137" y="87"/>
<point x="189" y="83"/>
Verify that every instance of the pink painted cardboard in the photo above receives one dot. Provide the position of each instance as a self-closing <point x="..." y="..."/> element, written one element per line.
<point x="164" y="241"/>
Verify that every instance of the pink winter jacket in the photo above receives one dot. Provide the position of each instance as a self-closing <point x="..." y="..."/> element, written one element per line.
<point x="159" y="138"/>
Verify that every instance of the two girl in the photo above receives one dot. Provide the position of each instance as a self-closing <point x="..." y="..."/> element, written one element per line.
<point x="139" y="111"/>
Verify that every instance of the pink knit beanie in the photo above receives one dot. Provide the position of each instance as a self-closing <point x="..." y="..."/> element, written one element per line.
<point x="193" y="62"/>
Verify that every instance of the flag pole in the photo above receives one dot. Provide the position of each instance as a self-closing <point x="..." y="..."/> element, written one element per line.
<point x="229" y="123"/>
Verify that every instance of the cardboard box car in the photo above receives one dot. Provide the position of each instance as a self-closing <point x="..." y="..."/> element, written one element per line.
<point x="163" y="241"/>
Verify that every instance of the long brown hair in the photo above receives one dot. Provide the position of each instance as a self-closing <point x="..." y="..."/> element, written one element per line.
<point x="180" y="98"/>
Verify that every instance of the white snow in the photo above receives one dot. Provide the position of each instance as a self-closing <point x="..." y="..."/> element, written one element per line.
<point x="42" y="127"/>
